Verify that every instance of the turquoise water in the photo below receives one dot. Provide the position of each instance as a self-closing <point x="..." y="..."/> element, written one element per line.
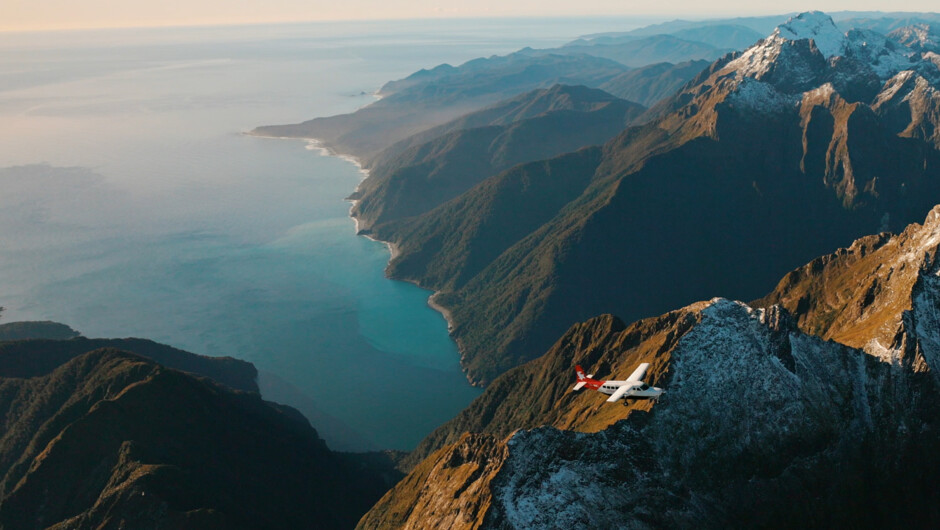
<point x="131" y="204"/>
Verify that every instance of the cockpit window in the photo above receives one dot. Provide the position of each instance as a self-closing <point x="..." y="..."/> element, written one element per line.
<point x="645" y="387"/>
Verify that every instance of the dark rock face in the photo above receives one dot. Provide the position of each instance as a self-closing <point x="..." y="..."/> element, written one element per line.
<point x="111" y="439"/>
<point x="742" y="440"/>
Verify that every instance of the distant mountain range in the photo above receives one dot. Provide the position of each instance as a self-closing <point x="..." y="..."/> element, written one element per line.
<point x="432" y="97"/>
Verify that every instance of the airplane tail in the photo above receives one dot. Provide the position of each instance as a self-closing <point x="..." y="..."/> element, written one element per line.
<point x="580" y="371"/>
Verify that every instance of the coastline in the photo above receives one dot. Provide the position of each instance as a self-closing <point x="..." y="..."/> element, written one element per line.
<point x="315" y="144"/>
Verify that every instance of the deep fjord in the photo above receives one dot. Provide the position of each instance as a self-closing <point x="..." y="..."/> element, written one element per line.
<point x="132" y="204"/>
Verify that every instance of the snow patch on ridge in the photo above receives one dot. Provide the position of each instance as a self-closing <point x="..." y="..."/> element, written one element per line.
<point x="817" y="26"/>
<point x="879" y="53"/>
<point x="755" y="95"/>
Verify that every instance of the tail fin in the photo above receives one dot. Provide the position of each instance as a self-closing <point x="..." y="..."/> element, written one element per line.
<point x="580" y="371"/>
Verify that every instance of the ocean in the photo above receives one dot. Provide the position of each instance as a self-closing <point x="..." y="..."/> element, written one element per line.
<point x="133" y="204"/>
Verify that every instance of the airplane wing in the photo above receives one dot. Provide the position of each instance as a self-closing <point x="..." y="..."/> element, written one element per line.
<point x="619" y="393"/>
<point x="638" y="374"/>
<point x="580" y="385"/>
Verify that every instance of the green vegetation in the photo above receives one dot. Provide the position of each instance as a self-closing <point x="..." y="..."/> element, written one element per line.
<point x="412" y="177"/>
<point x="34" y="358"/>
<point x="36" y="330"/>
<point x="649" y="84"/>
<point x="109" y="438"/>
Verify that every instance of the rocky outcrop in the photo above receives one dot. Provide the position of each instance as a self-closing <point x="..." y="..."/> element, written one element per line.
<point x="760" y="425"/>
<point x="875" y="295"/>
<point x="450" y="489"/>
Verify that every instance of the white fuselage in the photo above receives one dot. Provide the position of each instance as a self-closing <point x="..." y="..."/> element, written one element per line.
<point x="641" y="390"/>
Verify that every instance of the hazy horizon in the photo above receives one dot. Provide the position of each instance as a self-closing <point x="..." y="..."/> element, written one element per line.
<point x="62" y="15"/>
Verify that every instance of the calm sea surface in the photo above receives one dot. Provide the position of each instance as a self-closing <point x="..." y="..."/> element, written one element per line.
<point x="131" y="204"/>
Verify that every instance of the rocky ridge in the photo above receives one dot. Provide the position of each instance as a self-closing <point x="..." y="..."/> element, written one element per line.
<point x="762" y="424"/>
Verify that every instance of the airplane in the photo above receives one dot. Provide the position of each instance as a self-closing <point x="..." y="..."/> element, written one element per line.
<point x="632" y="388"/>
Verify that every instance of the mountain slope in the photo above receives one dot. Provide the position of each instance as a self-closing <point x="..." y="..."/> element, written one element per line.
<point x="761" y="424"/>
<point x="36" y="330"/>
<point x="411" y="179"/>
<point x="649" y="50"/>
<point x="34" y="358"/>
<point x="450" y="245"/>
<point x="651" y="83"/>
<point x="432" y="97"/>
<point x="110" y="439"/>
<point x="819" y="136"/>
<point x="871" y="294"/>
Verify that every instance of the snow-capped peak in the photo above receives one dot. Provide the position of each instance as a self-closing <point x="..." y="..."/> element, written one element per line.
<point x="817" y="26"/>
<point x="786" y="56"/>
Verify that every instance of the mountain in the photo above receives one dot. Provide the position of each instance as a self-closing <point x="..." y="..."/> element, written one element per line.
<point x="809" y="139"/>
<point x="35" y="358"/>
<point x="648" y="50"/>
<point x="31" y="358"/>
<point x="109" y="439"/>
<point x="36" y="330"/>
<point x="727" y="36"/>
<point x="412" y="177"/>
<point x="432" y="97"/>
<point x="876" y="295"/>
<point x="920" y="36"/>
<point x="883" y="22"/>
<point x="654" y="82"/>
<point x="762" y="424"/>
<point x="759" y="25"/>
<point x="742" y="28"/>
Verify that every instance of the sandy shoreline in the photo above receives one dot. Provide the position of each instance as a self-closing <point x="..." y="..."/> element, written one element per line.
<point x="314" y="144"/>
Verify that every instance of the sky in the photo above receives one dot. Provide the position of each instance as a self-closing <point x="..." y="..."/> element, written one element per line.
<point x="30" y="15"/>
